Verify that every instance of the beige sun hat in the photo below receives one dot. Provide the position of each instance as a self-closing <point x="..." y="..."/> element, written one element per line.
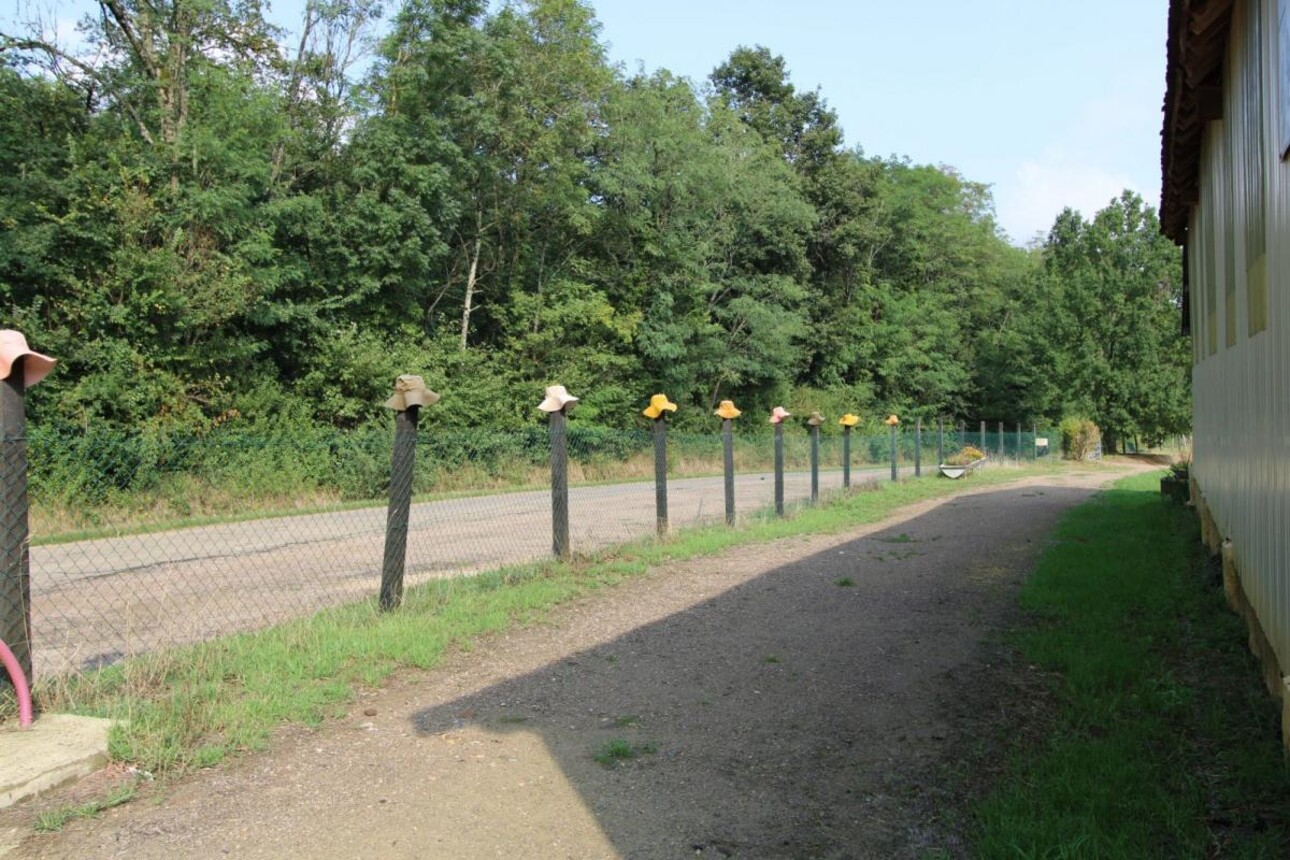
<point x="727" y="410"/>
<point x="411" y="391"/>
<point x="13" y="346"/>
<point x="557" y="399"/>
<point x="891" y="421"/>
<point x="658" y="404"/>
<point x="815" y="420"/>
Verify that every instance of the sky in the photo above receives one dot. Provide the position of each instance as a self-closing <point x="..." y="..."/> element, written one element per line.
<point x="1052" y="104"/>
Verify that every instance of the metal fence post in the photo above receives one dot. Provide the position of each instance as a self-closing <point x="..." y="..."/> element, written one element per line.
<point x="1018" y="441"/>
<point x="918" y="448"/>
<point x="984" y="449"/>
<point x="815" y="421"/>
<point x="1001" y="445"/>
<point x="779" y="469"/>
<point x="660" y="474"/>
<point x="15" y="578"/>
<point x="1034" y="441"/>
<point x="940" y="440"/>
<point x="402" y="467"/>
<point x="846" y="457"/>
<point x="891" y="444"/>
<point x="410" y="394"/>
<point x="559" y="485"/>
<point x="728" y="451"/>
<point x="556" y="405"/>
<point x="728" y="413"/>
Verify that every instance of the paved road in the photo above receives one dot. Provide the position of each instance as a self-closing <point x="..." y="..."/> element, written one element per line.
<point x="96" y="601"/>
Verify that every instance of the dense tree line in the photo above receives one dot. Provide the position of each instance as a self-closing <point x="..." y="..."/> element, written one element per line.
<point x="207" y="227"/>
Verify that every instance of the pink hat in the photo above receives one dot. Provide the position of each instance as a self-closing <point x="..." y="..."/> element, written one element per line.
<point x="13" y="345"/>
<point x="778" y="414"/>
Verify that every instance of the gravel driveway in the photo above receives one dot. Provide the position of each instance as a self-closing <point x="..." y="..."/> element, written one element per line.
<point x="813" y="697"/>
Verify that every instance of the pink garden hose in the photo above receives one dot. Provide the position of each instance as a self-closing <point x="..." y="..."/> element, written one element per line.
<point x="19" y="684"/>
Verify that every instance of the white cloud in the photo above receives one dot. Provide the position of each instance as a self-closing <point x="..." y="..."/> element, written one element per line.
<point x="1109" y="144"/>
<point x="1030" y="200"/>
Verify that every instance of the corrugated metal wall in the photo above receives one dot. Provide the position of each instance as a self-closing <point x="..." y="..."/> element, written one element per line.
<point x="1241" y="231"/>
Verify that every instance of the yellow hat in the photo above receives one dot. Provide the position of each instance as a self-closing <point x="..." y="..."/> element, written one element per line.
<point x="727" y="410"/>
<point x="815" y="420"/>
<point x="658" y="404"/>
<point x="891" y="421"/>
<point x="849" y="420"/>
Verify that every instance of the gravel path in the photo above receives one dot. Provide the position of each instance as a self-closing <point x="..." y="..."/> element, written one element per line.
<point x="814" y="697"/>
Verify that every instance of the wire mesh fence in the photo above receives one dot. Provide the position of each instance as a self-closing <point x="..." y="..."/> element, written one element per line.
<point x="122" y="561"/>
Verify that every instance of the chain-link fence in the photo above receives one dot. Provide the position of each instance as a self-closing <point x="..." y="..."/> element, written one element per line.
<point x="142" y="542"/>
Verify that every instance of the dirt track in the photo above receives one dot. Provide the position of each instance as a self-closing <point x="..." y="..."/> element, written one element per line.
<point x="778" y="712"/>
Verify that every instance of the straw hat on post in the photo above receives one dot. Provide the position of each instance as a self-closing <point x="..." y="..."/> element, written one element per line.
<point x="557" y="400"/>
<point x="891" y="421"/>
<point x="727" y="410"/>
<point x="13" y="346"/>
<point x="849" y="420"/>
<point x="410" y="391"/>
<point x="778" y="414"/>
<point x="815" y="420"/>
<point x="658" y="404"/>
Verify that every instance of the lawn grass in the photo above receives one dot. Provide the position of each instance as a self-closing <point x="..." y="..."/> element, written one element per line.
<point x="193" y="706"/>
<point x="1164" y="742"/>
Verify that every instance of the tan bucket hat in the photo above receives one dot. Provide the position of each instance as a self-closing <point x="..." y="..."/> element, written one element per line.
<point x="13" y="346"/>
<point x="727" y="410"/>
<point x="411" y="391"/>
<point x="778" y="414"/>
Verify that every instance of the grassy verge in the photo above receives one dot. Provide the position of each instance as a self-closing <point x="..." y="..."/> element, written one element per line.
<point x="1163" y="742"/>
<point x="192" y="707"/>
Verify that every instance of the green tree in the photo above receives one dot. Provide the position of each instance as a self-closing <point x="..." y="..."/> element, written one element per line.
<point x="1116" y="286"/>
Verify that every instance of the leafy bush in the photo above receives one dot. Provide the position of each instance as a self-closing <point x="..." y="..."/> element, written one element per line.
<point x="968" y="455"/>
<point x="1080" y="437"/>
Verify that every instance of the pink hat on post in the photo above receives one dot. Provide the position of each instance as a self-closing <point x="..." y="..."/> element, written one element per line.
<point x="778" y="414"/>
<point x="13" y="346"/>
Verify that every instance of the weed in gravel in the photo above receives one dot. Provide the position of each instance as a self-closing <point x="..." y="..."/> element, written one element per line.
<point x="846" y="582"/>
<point x="53" y="821"/>
<point x="617" y="751"/>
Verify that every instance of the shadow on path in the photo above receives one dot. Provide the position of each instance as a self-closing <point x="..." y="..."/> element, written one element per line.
<point x="809" y="712"/>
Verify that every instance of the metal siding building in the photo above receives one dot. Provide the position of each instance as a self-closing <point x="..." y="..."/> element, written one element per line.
<point x="1226" y="199"/>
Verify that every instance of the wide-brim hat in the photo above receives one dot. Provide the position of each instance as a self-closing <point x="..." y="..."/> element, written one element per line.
<point x="891" y="421"/>
<point x="658" y="404"/>
<point x="778" y="414"/>
<point x="556" y="399"/>
<point x="849" y="420"/>
<point x="13" y="346"/>
<point x="727" y="410"/>
<point x="815" y="420"/>
<point x="411" y="391"/>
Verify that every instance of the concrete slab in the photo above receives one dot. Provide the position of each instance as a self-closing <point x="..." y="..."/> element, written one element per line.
<point x="57" y="749"/>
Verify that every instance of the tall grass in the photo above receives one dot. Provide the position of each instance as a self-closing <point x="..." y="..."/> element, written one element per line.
<point x="1164" y="743"/>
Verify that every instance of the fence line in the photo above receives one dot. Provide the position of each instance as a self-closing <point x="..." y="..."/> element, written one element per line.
<point x="98" y="600"/>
